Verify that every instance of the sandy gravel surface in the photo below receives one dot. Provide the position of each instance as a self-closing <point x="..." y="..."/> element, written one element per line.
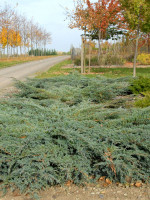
<point x="96" y="192"/>
<point x="20" y="72"/>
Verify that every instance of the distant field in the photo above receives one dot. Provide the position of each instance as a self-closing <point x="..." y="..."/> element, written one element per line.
<point x="66" y="67"/>
<point x="4" y="62"/>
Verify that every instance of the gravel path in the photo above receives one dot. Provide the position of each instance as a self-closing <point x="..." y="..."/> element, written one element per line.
<point x="20" y="72"/>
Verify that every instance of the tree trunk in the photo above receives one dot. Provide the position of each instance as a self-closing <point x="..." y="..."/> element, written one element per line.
<point x="84" y="51"/>
<point x="14" y="51"/>
<point x="148" y="43"/>
<point x="23" y="51"/>
<point x="135" y="55"/>
<point x="17" y="51"/>
<point x="99" y="46"/>
<point x="7" y="47"/>
<point x="31" y="48"/>
<point x="89" y="56"/>
<point x="20" y="50"/>
<point x="11" y="51"/>
<point x="82" y="56"/>
<point x="28" y="50"/>
<point x="44" y="50"/>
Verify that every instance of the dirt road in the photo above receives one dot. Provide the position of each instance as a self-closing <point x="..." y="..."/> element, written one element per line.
<point x="22" y="71"/>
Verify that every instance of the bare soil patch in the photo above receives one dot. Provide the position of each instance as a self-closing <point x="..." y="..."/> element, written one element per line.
<point x="8" y="92"/>
<point x="90" y="192"/>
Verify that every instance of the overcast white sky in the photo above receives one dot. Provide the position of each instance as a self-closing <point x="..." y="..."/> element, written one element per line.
<point x="50" y="15"/>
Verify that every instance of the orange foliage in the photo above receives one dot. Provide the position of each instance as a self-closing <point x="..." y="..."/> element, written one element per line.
<point x="3" y="37"/>
<point x="9" y="37"/>
<point x="108" y="156"/>
<point x="99" y="15"/>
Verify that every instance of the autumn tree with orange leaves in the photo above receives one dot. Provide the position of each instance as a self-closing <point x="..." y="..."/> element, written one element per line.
<point x="19" y="35"/>
<point x="103" y="14"/>
<point x="98" y="16"/>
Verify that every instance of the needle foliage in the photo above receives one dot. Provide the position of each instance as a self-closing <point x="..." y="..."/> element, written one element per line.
<point x="60" y="129"/>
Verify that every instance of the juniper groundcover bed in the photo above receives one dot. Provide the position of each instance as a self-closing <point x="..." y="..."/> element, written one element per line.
<point x="61" y="129"/>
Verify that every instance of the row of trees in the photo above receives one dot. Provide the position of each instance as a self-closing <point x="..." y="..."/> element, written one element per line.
<point x="108" y="19"/>
<point x="42" y="52"/>
<point x="19" y="35"/>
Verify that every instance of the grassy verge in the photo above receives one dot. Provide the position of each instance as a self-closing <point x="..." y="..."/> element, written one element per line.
<point x="121" y="72"/>
<point x="64" y="69"/>
<point x="57" y="70"/>
<point x="14" y="61"/>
